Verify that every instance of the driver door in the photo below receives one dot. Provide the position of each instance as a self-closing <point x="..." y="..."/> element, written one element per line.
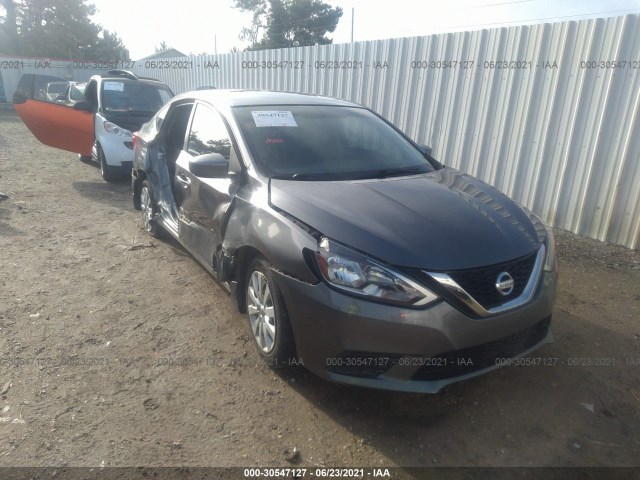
<point x="203" y="202"/>
<point x="54" y="124"/>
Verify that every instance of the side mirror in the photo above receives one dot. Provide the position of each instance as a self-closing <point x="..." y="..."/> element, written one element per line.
<point x="427" y="152"/>
<point x="425" y="149"/>
<point x="209" y="165"/>
<point x="19" y="97"/>
<point x="84" y="105"/>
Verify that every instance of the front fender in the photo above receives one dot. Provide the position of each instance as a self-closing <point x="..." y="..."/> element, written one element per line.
<point x="253" y="223"/>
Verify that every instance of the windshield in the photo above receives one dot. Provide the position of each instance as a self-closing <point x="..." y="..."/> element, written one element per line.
<point x="326" y="143"/>
<point x="133" y="96"/>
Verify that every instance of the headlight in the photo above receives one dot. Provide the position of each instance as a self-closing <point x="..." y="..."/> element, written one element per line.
<point x="353" y="272"/>
<point x="550" y="261"/>
<point x="114" y="129"/>
<point x="550" y="242"/>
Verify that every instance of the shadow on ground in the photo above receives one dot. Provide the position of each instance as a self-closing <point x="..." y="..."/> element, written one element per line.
<point x="562" y="413"/>
<point x="115" y="194"/>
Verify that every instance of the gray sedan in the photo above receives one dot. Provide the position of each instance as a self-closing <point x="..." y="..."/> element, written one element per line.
<point x="349" y="247"/>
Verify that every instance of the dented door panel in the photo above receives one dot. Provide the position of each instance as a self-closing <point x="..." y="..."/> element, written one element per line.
<point x="251" y="222"/>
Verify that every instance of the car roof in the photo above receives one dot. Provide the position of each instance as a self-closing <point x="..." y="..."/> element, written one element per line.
<point x="241" y="98"/>
<point x="125" y="79"/>
<point x="125" y="75"/>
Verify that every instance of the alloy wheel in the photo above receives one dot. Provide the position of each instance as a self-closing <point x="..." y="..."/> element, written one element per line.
<point x="147" y="208"/>
<point x="260" y="307"/>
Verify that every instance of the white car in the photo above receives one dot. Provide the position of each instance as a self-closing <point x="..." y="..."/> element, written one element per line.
<point x="100" y="126"/>
<point x="53" y="90"/>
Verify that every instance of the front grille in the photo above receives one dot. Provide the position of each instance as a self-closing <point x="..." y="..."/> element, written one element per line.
<point x="480" y="283"/>
<point x="472" y="359"/>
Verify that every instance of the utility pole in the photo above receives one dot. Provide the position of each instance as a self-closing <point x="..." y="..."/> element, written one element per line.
<point x="352" y="13"/>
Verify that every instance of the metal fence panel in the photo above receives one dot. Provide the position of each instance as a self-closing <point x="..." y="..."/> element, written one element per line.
<point x="546" y="113"/>
<point x="12" y="68"/>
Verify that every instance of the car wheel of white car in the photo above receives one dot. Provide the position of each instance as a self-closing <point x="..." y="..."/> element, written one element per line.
<point x="149" y="209"/>
<point x="268" y="317"/>
<point x="106" y="170"/>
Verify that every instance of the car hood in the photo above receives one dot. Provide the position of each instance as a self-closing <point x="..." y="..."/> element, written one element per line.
<point x="445" y="220"/>
<point x="132" y="122"/>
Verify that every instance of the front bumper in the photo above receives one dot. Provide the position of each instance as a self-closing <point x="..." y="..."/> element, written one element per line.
<point x="349" y="340"/>
<point x="118" y="151"/>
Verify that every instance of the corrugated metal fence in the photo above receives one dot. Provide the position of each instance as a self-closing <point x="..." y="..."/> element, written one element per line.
<point x="12" y="68"/>
<point x="546" y="113"/>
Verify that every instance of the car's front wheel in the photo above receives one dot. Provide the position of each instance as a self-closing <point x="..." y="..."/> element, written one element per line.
<point x="107" y="171"/>
<point x="268" y="317"/>
<point x="149" y="209"/>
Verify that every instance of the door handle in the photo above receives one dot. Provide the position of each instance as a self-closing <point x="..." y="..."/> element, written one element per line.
<point x="183" y="179"/>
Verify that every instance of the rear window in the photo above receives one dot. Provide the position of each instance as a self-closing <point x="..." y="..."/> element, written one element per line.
<point x="122" y="95"/>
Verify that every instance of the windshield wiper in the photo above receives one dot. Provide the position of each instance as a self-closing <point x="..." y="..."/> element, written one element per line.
<point x="382" y="173"/>
<point x="312" y="176"/>
<point x="396" y="172"/>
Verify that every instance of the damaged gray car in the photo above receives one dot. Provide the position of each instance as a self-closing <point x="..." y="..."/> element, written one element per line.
<point x="349" y="247"/>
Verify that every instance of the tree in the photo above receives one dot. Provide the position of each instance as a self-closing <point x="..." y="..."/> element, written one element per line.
<point x="9" y="26"/>
<point x="163" y="46"/>
<point x="288" y="23"/>
<point x="111" y="44"/>
<point x="56" y="28"/>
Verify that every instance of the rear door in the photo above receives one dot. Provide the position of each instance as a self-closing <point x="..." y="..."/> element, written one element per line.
<point x="50" y="120"/>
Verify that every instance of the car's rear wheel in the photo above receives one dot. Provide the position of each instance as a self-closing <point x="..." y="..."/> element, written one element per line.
<point x="107" y="171"/>
<point x="149" y="209"/>
<point x="268" y="316"/>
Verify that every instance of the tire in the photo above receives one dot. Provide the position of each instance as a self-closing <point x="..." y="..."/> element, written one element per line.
<point x="267" y="316"/>
<point x="149" y="209"/>
<point x="107" y="171"/>
<point x="85" y="158"/>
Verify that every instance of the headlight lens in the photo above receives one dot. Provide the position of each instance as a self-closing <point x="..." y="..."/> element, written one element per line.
<point x="114" y="129"/>
<point x="550" y="242"/>
<point x="550" y="261"/>
<point x="353" y="272"/>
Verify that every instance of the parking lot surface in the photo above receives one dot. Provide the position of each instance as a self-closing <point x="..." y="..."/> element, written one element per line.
<point x="120" y="350"/>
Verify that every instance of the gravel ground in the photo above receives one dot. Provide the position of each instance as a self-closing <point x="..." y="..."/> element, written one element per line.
<point x="120" y="350"/>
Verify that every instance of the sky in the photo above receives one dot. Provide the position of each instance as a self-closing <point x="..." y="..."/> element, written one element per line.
<point x="213" y="26"/>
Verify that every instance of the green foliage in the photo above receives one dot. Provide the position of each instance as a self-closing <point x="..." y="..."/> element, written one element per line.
<point x="163" y="46"/>
<point x="56" y="28"/>
<point x="288" y="23"/>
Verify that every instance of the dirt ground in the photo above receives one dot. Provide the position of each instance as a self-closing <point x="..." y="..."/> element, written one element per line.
<point x="120" y="350"/>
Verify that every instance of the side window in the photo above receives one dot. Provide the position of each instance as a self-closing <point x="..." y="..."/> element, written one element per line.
<point x="208" y="133"/>
<point x="160" y="117"/>
<point x="44" y="88"/>
<point x="176" y="127"/>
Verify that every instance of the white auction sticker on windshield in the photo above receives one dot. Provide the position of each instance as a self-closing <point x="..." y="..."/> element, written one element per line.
<point x="272" y="118"/>
<point x="116" y="86"/>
